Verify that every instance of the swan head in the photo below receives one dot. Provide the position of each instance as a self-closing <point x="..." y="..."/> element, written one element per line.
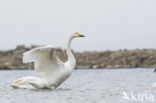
<point x="76" y="34"/>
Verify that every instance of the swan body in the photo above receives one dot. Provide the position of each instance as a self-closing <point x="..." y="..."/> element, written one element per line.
<point x="47" y="63"/>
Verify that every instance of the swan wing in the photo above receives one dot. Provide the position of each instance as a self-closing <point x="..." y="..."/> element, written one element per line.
<point x="44" y="58"/>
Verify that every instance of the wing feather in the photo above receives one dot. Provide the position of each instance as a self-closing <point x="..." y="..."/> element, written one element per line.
<point x="44" y="59"/>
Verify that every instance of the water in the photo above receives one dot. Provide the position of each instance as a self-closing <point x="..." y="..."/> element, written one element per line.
<point x="84" y="86"/>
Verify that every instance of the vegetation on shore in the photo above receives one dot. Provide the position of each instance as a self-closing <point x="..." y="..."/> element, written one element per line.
<point x="144" y="58"/>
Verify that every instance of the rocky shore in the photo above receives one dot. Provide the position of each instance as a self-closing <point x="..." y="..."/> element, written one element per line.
<point x="144" y="58"/>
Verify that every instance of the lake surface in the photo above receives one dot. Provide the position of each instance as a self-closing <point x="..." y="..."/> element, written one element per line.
<point x="85" y="86"/>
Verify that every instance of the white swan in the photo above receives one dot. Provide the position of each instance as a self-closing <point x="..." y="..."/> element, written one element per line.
<point x="48" y="64"/>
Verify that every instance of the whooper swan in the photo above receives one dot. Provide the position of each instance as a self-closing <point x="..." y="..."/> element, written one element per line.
<point x="47" y="63"/>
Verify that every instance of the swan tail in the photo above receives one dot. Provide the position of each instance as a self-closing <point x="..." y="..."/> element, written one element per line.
<point x="19" y="84"/>
<point x="24" y="82"/>
<point x="15" y="86"/>
<point x="18" y="81"/>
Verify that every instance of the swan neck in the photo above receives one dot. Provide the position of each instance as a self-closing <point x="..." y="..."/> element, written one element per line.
<point x="70" y="55"/>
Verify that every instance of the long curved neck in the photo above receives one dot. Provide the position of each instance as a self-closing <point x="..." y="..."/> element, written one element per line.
<point x="71" y="57"/>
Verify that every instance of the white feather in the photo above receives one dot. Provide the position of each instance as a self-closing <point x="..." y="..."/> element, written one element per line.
<point x="44" y="58"/>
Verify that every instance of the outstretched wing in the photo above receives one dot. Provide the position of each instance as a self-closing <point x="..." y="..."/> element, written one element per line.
<point x="44" y="58"/>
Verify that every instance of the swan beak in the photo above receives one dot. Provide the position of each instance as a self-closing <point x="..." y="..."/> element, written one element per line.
<point x="81" y="35"/>
<point x="155" y="70"/>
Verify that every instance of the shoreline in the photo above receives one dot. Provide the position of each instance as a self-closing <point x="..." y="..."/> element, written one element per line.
<point x="83" y="69"/>
<point x="137" y="58"/>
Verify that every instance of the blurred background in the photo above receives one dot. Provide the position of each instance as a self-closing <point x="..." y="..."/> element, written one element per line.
<point x="122" y="32"/>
